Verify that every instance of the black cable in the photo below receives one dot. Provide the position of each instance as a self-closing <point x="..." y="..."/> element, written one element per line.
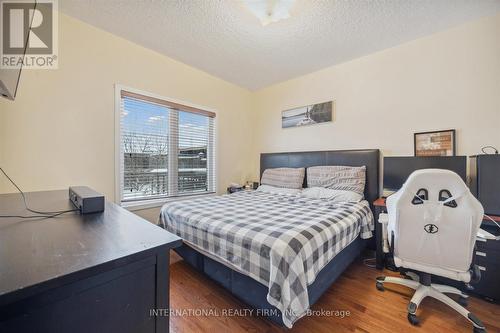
<point x="41" y="214"/>
<point x="37" y="216"/>
<point x="491" y="147"/>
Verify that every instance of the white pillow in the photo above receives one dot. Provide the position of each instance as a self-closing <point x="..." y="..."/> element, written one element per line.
<point x="277" y="190"/>
<point x="337" y="177"/>
<point x="330" y="194"/>
<point x="284" y="177"/>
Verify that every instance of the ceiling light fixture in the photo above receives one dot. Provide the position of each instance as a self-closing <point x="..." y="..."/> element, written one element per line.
<point x="269" y="11"/>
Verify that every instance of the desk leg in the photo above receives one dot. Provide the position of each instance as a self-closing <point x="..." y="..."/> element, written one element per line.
<point x="379" y="252"/>
<point x="162" y="291"/>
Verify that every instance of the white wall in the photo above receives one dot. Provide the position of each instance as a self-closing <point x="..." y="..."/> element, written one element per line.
<point x="60" y="129"/>
<point x="447" y="80"/>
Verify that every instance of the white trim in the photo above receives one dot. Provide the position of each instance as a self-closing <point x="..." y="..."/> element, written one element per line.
<point x="211" y="153"/>
<point x="168" y="99"/>
<point x="217" y="153"/>
<point x="173" y="150"/>
<point x="145" y="204"/>
<point x="118" y="156"/>
<point x="118" y="142"/>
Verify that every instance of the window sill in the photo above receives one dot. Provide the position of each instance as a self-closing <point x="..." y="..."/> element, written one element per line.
<point x="145" y="204"/>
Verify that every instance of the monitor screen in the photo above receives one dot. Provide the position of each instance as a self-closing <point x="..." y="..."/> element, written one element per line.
<point x="397" y="169"/>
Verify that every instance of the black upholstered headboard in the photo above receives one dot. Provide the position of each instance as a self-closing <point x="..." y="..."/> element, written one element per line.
<point x="367" y="157"/>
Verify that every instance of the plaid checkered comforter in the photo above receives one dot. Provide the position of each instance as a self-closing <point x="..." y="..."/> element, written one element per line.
<point x="282" y="241"/>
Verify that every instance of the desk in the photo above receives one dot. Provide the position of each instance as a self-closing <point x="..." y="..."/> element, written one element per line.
<point x="487" y="256"/>
<point x="98" y="272"/>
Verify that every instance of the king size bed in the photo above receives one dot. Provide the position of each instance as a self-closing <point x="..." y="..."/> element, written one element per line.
<point x="279" y="250"/>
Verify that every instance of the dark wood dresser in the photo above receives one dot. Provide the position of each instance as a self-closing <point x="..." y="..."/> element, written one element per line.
<point x="103" y="272"/>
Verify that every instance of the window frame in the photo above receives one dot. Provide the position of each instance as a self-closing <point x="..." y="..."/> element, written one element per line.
<point x="172" y="102"/>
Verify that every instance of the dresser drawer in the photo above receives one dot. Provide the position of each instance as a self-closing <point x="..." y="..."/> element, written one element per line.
<point x="487" y="264"/>
<point x="488" y="245"/>
<point x="487" y="256"/>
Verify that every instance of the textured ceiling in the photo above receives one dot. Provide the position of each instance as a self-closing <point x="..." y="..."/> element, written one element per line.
<point x="223" y="38"/>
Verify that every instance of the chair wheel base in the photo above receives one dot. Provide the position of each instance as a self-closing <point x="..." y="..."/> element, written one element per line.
<point x="380" y="286"/>
<point x="413" y="319"/>
<point x="478" y="330"/>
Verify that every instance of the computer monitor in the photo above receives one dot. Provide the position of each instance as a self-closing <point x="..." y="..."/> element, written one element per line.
<point x="398" y="168"/>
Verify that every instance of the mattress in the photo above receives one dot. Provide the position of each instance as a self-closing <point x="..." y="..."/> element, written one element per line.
<point x="281" y="241"/>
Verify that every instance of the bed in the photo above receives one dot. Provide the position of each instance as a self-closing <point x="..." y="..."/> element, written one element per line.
<point x="278" y="253"/>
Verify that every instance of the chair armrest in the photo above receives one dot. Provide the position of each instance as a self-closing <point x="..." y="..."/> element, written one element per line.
<point x="383" y="218"/>
<point x="481" y="233"/>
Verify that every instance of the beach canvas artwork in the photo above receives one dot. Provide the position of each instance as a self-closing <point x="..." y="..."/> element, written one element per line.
<point x="307" y="115"/>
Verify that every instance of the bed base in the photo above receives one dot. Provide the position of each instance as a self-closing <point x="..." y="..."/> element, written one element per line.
<point x="254" y="293"/>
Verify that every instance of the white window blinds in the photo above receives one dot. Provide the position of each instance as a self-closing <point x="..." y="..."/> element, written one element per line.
<point x="167" y="149"/>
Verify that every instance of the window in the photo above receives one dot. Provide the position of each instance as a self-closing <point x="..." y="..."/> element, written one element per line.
<point x="166" y="149"/>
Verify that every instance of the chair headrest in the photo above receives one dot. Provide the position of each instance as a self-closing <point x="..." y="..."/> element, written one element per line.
<point x="435" y="183"/>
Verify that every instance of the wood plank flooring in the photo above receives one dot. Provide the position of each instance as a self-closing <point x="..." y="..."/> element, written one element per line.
<point x="369" y="309"/>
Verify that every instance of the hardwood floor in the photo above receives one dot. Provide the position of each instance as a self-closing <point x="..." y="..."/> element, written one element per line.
<point x="369" y="309"/>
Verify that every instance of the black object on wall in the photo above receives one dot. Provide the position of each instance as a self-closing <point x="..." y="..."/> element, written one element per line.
<point x="485" y="181"/>
<point x="398" y="168"/>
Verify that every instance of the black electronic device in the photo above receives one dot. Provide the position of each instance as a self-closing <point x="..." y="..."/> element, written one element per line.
<point x="398" y="168"/>
<point x="234" y="189"/>
<point x="86" y="199"/>
<point x="485" y="181"/>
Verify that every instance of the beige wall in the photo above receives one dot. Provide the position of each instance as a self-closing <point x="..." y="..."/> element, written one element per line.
<point x="60" y="129"/>
<point x="447" y="80"/>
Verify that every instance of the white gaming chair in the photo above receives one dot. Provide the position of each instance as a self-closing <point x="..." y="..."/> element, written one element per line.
<point x="431" y="224"/>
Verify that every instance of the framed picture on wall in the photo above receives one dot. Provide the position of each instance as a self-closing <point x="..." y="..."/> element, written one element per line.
<point x="435" y="143"/>
<point x="307" y="115"/>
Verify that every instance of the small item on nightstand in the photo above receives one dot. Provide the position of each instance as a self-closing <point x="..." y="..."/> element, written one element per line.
<point x="234" y="187"/>
<point x="249" y="186"/>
